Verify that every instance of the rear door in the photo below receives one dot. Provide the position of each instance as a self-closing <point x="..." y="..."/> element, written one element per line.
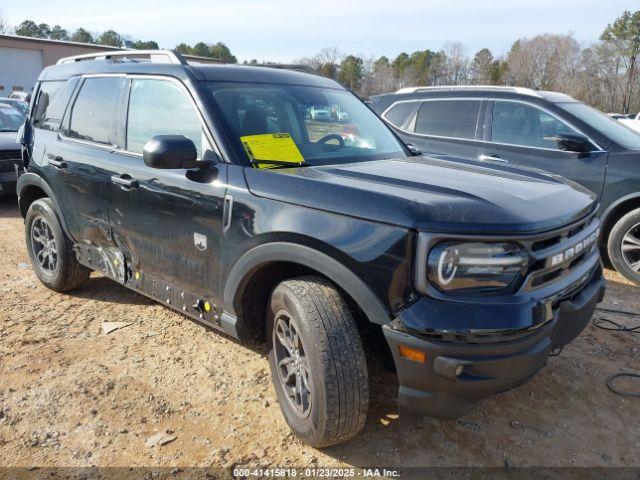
<point x="439" y="126"/>
<point x="519" y="133"/>
<point x="167" y="223"/>
<point x="78" y="158"/>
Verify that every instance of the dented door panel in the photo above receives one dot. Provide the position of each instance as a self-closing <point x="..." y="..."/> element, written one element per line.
<point x="169" y="222"/>
<point x="79" y="173"/>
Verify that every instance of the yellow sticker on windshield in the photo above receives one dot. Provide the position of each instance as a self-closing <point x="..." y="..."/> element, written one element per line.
<point x="271" y="149"/>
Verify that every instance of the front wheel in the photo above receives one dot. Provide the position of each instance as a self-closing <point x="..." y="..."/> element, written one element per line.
<point x="624" y="246"/>
<point x="317" y="361"/>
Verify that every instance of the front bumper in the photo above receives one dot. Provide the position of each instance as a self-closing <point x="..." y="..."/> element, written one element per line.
<point x="491" y="365"/>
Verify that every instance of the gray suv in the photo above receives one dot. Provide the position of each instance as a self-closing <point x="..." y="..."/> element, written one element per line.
<point x="548" y="131"/>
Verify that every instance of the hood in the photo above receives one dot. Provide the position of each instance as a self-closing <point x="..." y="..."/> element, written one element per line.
<point x="8" y="141"/>
<point x="430" y="194"/>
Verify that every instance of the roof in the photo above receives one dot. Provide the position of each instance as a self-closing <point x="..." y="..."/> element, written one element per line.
<point x="169" y="62"/>
<point x="483" y="89"/>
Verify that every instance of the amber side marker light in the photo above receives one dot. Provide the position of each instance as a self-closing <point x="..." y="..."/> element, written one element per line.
<point x="412" y="354"/>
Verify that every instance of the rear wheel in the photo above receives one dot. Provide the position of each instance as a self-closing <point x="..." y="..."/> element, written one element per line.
<point x="51" y="252"/>
<point x="624" y="246"/>
<point x="317" y="361"/>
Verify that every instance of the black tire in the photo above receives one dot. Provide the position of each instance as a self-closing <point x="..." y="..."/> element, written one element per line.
<point x="60" y="271"/>
<point x="331" y="348"/>
<point x="625" y="234"/>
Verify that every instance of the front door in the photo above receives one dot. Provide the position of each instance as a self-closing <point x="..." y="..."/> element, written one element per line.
<point x="168" y="223"/>
<point x="523" y="134"/>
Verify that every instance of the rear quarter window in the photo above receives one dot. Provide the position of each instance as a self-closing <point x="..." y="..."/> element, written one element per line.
<point x="51" y="103"/>
<point x="401" y="114"/>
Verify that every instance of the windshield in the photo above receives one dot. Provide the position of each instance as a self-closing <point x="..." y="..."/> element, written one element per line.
<point x="607" y="126"/>
<point x="10" y="119"/>
<point x="307" y="125"/>
<point x="23" y="107"/>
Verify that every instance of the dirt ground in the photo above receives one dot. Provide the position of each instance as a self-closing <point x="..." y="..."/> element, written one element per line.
<point x="71" y="395"/>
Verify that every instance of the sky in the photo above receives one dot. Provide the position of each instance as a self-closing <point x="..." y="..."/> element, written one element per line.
<point x="286" y="30"/>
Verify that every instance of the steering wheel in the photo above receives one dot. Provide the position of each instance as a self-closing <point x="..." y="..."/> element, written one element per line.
<point x="332" y="136"/>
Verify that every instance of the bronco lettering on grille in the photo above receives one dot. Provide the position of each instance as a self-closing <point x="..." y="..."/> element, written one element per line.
<point x="574" y="250"/>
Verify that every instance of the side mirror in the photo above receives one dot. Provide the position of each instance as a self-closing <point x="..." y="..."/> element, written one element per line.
<point x="25" y="134"/>
<point x="171" y="152"/>
<point x="413" y="149"/>
<point x="573" y="143"/>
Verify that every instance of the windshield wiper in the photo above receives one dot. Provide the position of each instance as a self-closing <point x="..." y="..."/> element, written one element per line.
<point x="279" y="163"/>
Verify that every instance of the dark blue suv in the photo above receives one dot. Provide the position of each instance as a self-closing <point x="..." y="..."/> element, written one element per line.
<point x="545" y="130"/>
<point x="210" y="189"/>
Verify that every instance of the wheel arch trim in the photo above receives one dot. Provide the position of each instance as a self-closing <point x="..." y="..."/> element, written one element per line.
<point x="27" y="180"/>
<point x="310" y="258"/>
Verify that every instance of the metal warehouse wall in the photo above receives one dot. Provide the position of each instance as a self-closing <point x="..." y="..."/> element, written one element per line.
<point x="22" y="59"/>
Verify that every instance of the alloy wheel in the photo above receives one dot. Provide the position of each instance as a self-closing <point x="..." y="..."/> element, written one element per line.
<point x="631" y="248"/>
<point x="292" y="364"/>
<point x="44" y="246"/>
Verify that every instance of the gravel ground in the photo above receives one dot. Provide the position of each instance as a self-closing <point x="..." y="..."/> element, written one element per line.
<point x="71" y="395"/>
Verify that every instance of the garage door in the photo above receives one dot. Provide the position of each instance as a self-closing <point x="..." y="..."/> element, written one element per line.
<point x="19" y="68"/>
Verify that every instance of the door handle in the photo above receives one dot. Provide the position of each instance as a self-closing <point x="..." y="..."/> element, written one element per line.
<point x="125" y="181"/>
<point x="56" y="161"/>
<point x="492" y="158"/>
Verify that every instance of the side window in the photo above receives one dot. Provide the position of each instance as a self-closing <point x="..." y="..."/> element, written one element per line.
<point x="51" y="103"/>
<point x="161" y="107"/>
<point x="448" y="118"/>
<point x="521" y="124"/>
<point x="95" y="109"/>
<point x="400" y="114"/>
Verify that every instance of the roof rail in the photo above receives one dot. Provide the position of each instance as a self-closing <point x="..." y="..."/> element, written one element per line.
<point x="154" y="56"/>
<point x="284" y="66"/>
<point x="495" y="88"/>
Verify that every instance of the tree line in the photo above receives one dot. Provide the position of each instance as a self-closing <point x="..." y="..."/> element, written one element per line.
<point x="603" y="74"/>
<point x="29" y="28"/>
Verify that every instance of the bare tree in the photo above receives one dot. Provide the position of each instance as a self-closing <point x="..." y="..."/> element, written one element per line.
<point x="454" y="65"/>
<point x="601" y="82"/>
<point x="546" y="61"/>
<point x="326" y="61"/>
<point x="4" y="25"/>
<point x="379" y="77"/>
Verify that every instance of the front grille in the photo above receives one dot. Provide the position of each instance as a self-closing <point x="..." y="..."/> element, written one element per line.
<point x="477" y="337"/>
<point x="7" y="166"/>
<point x="557" y="245"/>
<point x="10" y="155"/>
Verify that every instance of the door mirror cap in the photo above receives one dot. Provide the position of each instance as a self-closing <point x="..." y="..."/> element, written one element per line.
<point x="25" y="134"/>
<point x="413" y="149"/>
<point x="573" y="143"/>
<point x="171" y="152"/>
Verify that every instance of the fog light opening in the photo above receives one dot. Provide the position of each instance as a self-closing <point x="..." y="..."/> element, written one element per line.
<point x="412" y="354"/>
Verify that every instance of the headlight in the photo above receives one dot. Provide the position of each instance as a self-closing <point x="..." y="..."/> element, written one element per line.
<point x="476" y="266"/>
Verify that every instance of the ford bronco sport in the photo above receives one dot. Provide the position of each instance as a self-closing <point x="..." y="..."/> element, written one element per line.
<point x="209" y="189"/>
